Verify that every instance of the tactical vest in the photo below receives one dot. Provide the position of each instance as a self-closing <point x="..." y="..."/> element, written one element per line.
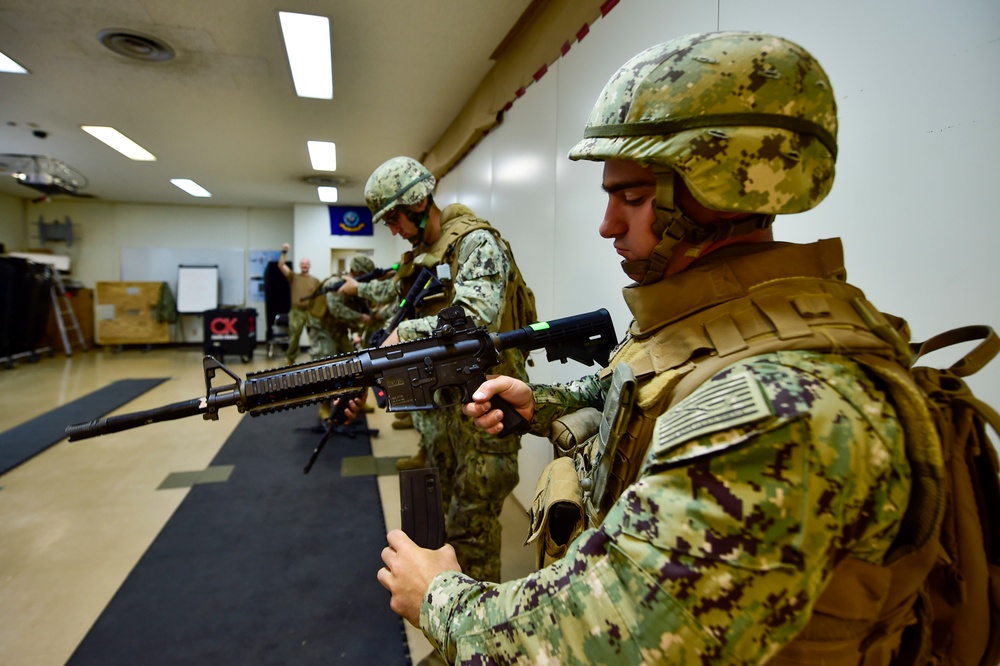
<point x="744" y="302"/>
<point x="457" y="221"/>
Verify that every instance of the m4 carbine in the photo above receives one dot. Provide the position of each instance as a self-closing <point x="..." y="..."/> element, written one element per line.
<point x="443" y="369"/>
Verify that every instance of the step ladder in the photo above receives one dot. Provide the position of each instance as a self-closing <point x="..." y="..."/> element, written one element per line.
<point x="65" y="316"/>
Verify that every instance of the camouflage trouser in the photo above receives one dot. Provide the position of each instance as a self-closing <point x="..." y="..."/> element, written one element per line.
<point x="341" y="340"/>
<point x="321" y="341"/>
<point x="477" y="471"/>
<point x="296" y="322"/>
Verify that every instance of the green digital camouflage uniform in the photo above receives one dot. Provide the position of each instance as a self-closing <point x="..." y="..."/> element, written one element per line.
<point x="321" y="342"/>
<point x="379" y="291"/>
<point x="718" y="551"/>
<point x="478" y="471"/>
<point x="343" y="319"/>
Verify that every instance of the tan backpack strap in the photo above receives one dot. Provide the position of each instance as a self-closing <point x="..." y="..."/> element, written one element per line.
<point x="971" y="362"/>
<point x="988" y="413"/>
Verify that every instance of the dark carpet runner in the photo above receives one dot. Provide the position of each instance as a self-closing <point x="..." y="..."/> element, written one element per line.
<point x="268" y="566"/>
<point x="29" y="439"/>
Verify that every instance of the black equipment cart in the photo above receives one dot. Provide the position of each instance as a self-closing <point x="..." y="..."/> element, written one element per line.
<point x="231" y="332"/>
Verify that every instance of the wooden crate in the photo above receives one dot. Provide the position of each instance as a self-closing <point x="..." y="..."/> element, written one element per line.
<point x="124" y="314"/>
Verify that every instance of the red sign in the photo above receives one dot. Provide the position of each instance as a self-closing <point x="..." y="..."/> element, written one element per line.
<point x="224" y="327"/>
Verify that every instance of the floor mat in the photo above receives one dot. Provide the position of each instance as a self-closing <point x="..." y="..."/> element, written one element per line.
<point x="29" y="439"/>
<point x="268" y="566"/>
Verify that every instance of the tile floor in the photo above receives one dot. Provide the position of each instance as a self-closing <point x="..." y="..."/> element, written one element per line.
<point x="75" y="519"/>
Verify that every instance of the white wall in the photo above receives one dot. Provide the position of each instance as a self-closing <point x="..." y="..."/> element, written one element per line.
<point x="917" y="91"/>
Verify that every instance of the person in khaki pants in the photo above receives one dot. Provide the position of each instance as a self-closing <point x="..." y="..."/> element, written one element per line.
<point x="302" y="284"/>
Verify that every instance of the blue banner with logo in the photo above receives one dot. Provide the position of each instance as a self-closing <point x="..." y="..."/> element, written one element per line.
<point x="350" y="221"/>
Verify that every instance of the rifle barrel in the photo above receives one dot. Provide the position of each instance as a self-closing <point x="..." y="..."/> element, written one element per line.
<point x="109" y="424"/>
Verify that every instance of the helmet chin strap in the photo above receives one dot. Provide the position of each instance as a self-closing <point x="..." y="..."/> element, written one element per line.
<point x="672" y="225"/>
<point x="419" y="219"/>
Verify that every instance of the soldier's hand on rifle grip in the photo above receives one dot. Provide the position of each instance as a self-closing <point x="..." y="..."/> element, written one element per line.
<point x="485" y="409"/>
<point x="353" y="407"/>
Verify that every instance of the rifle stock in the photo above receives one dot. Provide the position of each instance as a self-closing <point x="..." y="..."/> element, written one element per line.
<point x="443" y="369"/>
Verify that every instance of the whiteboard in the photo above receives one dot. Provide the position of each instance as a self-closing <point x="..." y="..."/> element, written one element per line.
<point x="197" y="288"/>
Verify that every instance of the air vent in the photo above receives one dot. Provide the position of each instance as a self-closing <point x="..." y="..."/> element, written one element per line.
<point x="325" y="181"/>
<point x="135" y="45"/>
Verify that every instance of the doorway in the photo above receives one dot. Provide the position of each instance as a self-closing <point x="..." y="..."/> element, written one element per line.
<point x="340" y="259"/>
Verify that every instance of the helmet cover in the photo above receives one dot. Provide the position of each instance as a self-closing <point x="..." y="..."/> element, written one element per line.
<point x="748" y="120"/>
<point x="362" y="264"/>
<point x="400" y="181"/>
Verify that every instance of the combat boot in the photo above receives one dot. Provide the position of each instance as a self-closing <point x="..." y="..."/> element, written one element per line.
<point x="403" y="421"/>
<point x="418" y="461"/>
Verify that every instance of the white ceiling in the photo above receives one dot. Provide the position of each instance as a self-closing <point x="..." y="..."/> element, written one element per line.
<point x="224" y="112"/>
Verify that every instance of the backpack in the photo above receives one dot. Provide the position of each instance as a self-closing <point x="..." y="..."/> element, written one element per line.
<point x="963" y="586"/>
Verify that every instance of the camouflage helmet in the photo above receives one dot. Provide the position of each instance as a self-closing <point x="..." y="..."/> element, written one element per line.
<point x="748" y="120"/>
<point x="362" y="264"/>
<point x="399" y="181"/>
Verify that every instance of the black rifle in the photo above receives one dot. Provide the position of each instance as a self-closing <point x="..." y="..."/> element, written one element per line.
<point x="425" y="285"/>
<point x="443" y="369"/>
<point x="367" y="277"/>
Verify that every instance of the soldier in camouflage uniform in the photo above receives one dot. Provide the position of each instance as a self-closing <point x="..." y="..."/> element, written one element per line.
<point x="750" y="448"/>
<point x="477" y="470"/>
<point x="332" y="318"/>
<point x="349" y="314"/>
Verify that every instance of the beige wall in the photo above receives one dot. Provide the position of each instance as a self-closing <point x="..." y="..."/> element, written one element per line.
<point x="102" y="229"/>
<point x="12" y="223"/>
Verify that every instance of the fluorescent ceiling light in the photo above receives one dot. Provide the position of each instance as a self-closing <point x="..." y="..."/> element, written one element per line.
<point x="8" y="65"/>
<point x="119" y="142"/>
<point x="191" y="187"/>
<point x="307" y="43"/>
<point x="323" y="155"/>
<point x="327" y="194"/>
